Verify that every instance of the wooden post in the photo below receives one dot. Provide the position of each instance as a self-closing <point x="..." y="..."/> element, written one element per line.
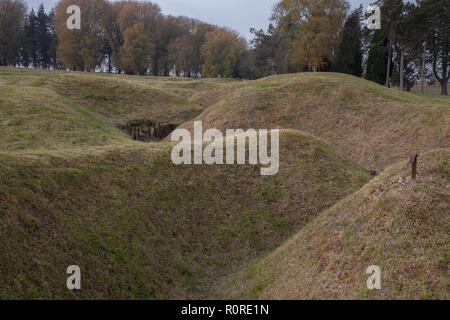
<point x="413" y="161"/>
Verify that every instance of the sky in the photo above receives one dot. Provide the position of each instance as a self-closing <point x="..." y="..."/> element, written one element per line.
<point x="240" y="15"/>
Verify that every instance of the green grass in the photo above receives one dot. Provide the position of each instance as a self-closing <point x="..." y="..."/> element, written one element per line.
<point x="140" y="227"/>
<point x="374" y="125"/>
<point x="395" y="223"/>
<point x="76" y="190"/>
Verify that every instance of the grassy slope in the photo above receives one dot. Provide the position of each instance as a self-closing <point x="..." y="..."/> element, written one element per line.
<point x="400" y="225"/>
<point x="141" y="227"/>
<point x="74" y="189"/>
<point x="58" y="110"/>
<point x="375" y="125"/>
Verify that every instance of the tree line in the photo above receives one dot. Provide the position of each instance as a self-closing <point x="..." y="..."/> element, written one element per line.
<point x="313" y="35"/>
<point x="134" y="37"/>
<point x="131" y="37"/>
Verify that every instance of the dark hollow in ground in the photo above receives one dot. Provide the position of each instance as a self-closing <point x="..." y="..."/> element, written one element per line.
<point x="148" y="130"/>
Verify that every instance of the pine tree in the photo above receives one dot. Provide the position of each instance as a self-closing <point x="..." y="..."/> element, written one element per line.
<point x="267" y="47"/>
<point x="436" y="13"/>
<point x="43" y="37"/>
<point x="376" y="65"/>
<point x="407" y="48"/>
<point x="28" y="45"/>
<point x="350" y="54"/>
<point x="54" y="41"/>
<point x="390" y="17"/>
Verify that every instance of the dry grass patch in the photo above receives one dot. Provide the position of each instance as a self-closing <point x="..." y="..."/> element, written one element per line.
<point x="374" y="125"/>
<point x="393" y="222"/>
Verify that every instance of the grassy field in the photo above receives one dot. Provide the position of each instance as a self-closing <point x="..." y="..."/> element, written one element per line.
<point x="74" y="189"/>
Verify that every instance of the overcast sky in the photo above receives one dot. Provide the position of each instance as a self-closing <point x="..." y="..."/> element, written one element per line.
<point x="239" y="15"/>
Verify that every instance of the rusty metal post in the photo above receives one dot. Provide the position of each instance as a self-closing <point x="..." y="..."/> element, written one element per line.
<point x="413" y="161"/>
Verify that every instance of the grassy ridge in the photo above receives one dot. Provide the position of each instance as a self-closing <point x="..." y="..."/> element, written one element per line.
<point x="54" y="110"/>
<point x="141" y="227"/>
<point x="395" y="223"/>
<point x="374" y="125"/>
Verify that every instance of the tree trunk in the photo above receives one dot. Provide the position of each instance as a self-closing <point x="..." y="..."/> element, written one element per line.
<point x="444" y="90"/>
<point x="388" y="71"/>
<point x="422" y="70"/>
<point x="402" y="61"/>
<point x="445" y="71"/>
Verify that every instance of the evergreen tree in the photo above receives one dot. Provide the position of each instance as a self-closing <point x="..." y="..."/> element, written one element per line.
<point x="266" y="47"/>
<point x="43" y="37"/>
<point x="419" y="30"/>
<point x="28" y="52"/>
<point x="350" y="54"/>
<point x="407" y="48"/>
<point x="376" y="65"/>
<point x="390" y="17"/>
<point x="437" y="15"/>
<point x="54" y="41"/>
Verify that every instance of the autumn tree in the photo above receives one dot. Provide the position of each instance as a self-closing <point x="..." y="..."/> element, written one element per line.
<point x="314" y="25"/>
<point x="169" y="29"/>
<point x="12" y="18"/>
<point x="123" y="15"/>
<point x="81" y="49"/>
<point x="221" y="53"/>
<point x="137" y="50"/>
<point x="183" y="56"/>
<point x="185" y="51"/>
<point x="129" y="13"/>
<point x="198" y="36"/>
<point x="112" y="38"/>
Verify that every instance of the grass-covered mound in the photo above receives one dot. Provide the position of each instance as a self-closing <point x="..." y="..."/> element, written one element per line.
<point x="141" y="227"/>
<point x="393" y="222"/>
<point x="374" y="125"/>
<point x="51" y="110"/>
<point x="74" y="189"/>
